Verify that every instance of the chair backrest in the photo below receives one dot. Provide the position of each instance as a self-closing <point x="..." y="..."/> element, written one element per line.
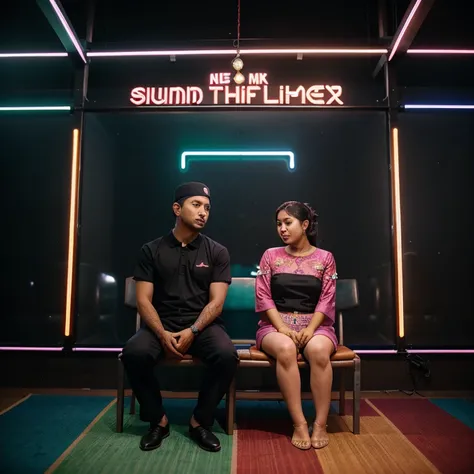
<point x="347" y="294"/>
<point x="239" y="311"/>
<point x="130" y="293"/>
<point x="347" y="297"/>
<point x="241" y="295"/>
<point x="241" y="299"/>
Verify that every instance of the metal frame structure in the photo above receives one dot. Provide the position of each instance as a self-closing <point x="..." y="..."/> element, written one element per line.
<point x="80" y="54"/>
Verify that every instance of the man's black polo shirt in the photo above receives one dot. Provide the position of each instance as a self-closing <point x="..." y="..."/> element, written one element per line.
<point x="182" y="276"/>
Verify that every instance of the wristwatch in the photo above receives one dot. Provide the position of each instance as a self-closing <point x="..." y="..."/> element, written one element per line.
<point x="194" y="330"/>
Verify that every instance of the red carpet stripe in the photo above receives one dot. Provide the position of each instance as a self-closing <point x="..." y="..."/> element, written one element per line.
<point x="444" y="440"/>
<point x="263" y="447"/>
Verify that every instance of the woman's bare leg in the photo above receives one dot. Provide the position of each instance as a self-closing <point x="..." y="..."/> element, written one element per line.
<point x="283" y="349"/>
<point x="318" y="353"/>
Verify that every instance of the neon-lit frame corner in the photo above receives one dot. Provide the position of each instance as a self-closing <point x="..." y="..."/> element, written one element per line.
<point x="188" y="156"/>
<point x="68" y="29"/>
<point x="404" y="29"/>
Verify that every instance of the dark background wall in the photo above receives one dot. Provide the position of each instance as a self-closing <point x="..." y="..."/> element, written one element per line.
<point x="96" y="297"/>
<point x="437" y="172"/>
<point x="35" y="179"/>
<point x="341" y="169"/>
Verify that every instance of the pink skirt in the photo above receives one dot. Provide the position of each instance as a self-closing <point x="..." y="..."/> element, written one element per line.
<point x="297" y="322"/>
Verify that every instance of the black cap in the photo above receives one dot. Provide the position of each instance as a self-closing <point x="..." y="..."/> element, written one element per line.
<point x="194" y="188"/>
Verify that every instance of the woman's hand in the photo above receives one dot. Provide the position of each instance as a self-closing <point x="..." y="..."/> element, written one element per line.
<point x="290" y="333"/>
<point x="304" y="336"/>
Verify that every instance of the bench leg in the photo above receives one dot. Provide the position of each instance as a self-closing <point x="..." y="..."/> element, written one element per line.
<point x="120" y="396"/>
<point x="342" y="393"/>
<point x="132" y="404"/>
<point x="356" y="398"/>
<point x="230" y="408"/>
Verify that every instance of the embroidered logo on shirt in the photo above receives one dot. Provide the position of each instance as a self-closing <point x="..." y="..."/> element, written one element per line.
<point x="202" y="265"/>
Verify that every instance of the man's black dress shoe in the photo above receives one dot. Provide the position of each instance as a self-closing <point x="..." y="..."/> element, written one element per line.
<point x="154" y="437"/>
<point x="205" y="438"/>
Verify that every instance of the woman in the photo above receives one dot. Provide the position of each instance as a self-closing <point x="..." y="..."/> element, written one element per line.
<point x="295" y="296"/>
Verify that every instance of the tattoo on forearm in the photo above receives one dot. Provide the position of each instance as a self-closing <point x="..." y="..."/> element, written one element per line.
<point x="210" y="312"/>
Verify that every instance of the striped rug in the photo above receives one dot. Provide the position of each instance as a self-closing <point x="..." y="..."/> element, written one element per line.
<point x="76" y="434"/>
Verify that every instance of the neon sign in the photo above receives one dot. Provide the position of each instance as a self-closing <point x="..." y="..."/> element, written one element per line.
<point x="188" y="156"/>
<point x="221" y="91"/>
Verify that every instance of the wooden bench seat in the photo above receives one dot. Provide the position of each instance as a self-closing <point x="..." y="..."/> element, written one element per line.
<point x="343" y="354"/>
<point x="344" y="358"/>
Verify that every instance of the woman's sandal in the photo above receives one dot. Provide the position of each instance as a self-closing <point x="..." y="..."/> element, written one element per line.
<point x="300" y="443"/>
<point x="321" y="442"/>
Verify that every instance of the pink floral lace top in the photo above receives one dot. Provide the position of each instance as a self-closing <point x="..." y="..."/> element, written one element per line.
<point x="292" y="284"/>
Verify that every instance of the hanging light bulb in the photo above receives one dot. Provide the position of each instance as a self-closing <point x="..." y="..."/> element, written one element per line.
<point x="239" y="78"/>
<point x="237" y="63"/>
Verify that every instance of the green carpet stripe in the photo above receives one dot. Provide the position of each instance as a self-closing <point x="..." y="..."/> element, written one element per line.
<point x="103" y="451"/>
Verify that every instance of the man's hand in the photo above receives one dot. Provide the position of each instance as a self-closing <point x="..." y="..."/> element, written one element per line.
<point x="290" y="333"/>
<point x="304" y="336"/>
<point x="170" y="344"/>
<point x="184" y="340"/>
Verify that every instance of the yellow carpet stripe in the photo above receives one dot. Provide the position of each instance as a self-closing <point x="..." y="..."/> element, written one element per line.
<point x="380" y="448"/>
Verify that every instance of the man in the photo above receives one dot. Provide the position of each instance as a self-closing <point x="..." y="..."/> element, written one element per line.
<point x="182" y="282"/>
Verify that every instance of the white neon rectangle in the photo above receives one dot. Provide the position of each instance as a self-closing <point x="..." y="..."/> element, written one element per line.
<point x="288" y="154"/>
<point x="432" y="106"/>
<point x="46" y="108"/>
<point x="213" y="52"/>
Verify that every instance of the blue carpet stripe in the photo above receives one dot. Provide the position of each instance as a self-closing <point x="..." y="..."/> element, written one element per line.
<point x="36" y="432"/>
<point x="461" y="409"/>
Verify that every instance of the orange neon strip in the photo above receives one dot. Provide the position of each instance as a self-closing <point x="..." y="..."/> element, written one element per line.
<point x="72" y="233"/>
<point x="398" y="236"/>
